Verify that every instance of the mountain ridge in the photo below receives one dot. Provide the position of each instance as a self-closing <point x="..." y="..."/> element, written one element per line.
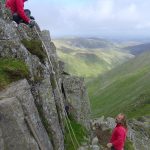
<point x="138" y="49"/>
<point x="79" y="58"/>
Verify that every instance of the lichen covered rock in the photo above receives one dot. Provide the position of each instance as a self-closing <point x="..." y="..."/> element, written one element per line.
<point x="77" y="97"/>
<point x="21" y="90"/>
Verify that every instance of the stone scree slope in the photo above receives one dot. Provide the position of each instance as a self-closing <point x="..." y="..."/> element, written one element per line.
<point x="32" y="110"/>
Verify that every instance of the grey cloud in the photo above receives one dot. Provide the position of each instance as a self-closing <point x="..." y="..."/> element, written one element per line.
<point x="101" y="17"/>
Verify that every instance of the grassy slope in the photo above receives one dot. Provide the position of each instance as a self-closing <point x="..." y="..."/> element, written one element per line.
<point x="89" y="62"/>
<point x="123" y="89"/>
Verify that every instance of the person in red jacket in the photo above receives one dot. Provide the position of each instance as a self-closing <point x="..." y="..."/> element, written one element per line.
<point x="18" y="12"/>
<point x="119" y="133"/>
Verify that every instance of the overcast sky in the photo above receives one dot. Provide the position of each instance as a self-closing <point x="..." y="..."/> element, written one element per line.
<point x="100" y="18"/>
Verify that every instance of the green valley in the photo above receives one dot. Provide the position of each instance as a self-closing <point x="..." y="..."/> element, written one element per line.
<point x="125" y="88"/>
<point x="117" y="82"/>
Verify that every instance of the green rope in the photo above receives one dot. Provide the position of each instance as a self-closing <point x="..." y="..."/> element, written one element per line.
<point x="69" y="126"/>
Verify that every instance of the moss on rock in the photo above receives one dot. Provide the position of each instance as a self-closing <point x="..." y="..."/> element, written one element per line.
<point x="12" y="70"/>
<point x="35" y="48"/>
<point x="129" y="145"/>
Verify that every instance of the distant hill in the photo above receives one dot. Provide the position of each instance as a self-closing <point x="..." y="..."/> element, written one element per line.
<point x="88" y="43"/>
<point x="89" y="57"/>
<point x="125" y="88"/>
<point x="138" y="49"/>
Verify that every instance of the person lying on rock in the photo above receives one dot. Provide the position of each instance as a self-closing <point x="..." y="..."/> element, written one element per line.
<point x="119" y="133"/>
<point x="19" y="14"/>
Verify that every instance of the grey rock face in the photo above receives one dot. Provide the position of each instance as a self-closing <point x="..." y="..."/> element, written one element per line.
<point x="91" y="147"/>
<point x="1" y="141"/>
<point x="14" y="49"/>
<point x="15" y="133"/>
<point x="25" y="32"/>
<point x="95" y="141"/>
<point x="139" y="133"/>
<point x="61" y="67"/>
<point x="39" y="101"/>
<point x="46" y="103"/>
<point x="76" y="95"/>
<point x="95" y="147"/>
<point x="21" y="90"/>
<point x="46" y="37"/>
<point x="8" y="31"/>
<point x="51" y="52"/>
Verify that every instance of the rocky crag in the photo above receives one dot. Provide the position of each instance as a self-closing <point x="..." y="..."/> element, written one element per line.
<point x="138" y="137"/>
<point x="32" y="105"/>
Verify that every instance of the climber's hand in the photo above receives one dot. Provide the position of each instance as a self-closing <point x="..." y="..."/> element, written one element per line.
<point x="31" y="23"/>
<point x="109" y="145"/>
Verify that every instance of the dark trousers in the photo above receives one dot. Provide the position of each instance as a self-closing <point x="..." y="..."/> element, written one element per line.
<point x="112" y="148"/>
<point x="18" y="19"/>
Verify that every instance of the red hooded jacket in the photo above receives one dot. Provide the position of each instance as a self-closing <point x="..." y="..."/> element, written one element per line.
<point x="17" y="6"/>
<point x="118" y="137"/>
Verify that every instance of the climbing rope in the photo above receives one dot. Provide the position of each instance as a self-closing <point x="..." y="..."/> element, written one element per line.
<point x="70" y="135"/>
<point x="72" y="130"/>
<point x="69" y="126"/>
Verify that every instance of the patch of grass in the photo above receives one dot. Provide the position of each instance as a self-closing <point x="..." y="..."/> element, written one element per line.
<point x="128" y="145"/>
<point x="141" y="106"/>
<point x="80" y="132"/>
<point x="35" y="48"/>
<point x="12" y="70"/>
